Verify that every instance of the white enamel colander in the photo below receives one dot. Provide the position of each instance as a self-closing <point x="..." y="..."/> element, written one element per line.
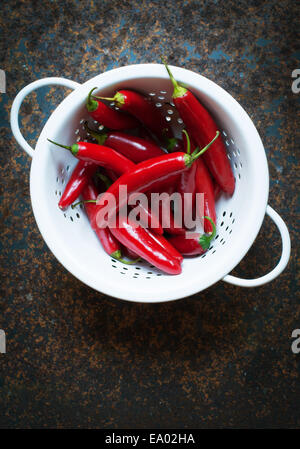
<point x="68" y="233"/>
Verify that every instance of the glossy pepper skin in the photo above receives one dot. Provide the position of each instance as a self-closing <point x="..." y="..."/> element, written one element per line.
<point x="134" y="148"/>
<point x="168" y="247"/>
<point x="109" y="117"/>
<point x="99" y="155"/>
<point x="202" y="127"/>
<point x="195" y="244"/>
<point x="142" y="243"/>
<point x="79" y="178"/>
<point x="204" y="184"/>
<point x="146" y="176"/>
<point x="110" y="244"/>
<point x="143" y="110"/>
<point x="187" y="181"/>
<point x="166" y="215"/>
<point x="187" y="246"/>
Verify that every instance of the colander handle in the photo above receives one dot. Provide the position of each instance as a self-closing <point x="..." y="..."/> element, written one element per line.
<point x="14" y="113"/>
<point x="285" y="255"/>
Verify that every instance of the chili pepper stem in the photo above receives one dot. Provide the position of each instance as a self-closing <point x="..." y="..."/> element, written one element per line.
<point x="82" y="202"/>
<point x="179" y="91"/>
<point x="205" y="239"/>
<point x="91" y="104"/>
<point x="190" y="158"/>
<point x="105" y="179"/>
<point x="118" y="99"/>
<point x="73" y="148"/>
<point x="188" y="150"/>
<point x="101" y="138"/>
<point x="118" y="256"/>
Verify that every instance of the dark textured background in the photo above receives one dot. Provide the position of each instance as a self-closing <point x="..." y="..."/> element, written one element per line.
<point x="76" y="358"/>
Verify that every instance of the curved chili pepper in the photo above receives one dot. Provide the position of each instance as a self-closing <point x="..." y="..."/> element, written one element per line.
<point x="204" y="184"/>
<point x="145" y="175"/>
<point x="168" y="247"/>
<point x="107" y="116"/>
<point x="163" y="242"/>
<point x="194" y="245"/>
<point x="79" y="178"/>
<point x="142" y="242"/>
<point x="135" y="148"/>
<point x="110" y="244"/>
<point x="144" y="110"/>
<point x="202" y="128"/>
<point x="99" y="155"/>
<point x="187" y="181"/>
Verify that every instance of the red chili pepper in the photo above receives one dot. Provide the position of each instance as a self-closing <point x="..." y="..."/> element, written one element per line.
<point x="204" y="184"/>
<point x="144" y="110"/>
<point x="80" y="177"/>
<point x="100" y="155"/>
<point x="202" y="128"/>
<point x="107" y="116"/>
<point x="187" y="181"/>
<point x="135" y="148"/>
<point x="161" y="241"/>
<point x="143" y="243"/>
<point x="195" y="244"/>
<point x="110" y="244"/>
<point x="166" y="246"/>
<point x="145" y="176"/>
<point x="166" y="215"/>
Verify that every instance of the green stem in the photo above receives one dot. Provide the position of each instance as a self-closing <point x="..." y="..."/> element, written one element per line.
<point x="73" y="148"/>
<point x="101" y="138"/>
<point x="205" y="239"/>
<point x="179" y="91"/>
<point x="105" y="179"/>
<point x="82" y="202"/>
<point x="196" y="155"/>
<point x="91" y="104"/>
<point x="117" y="255"/>
<point x="104" y="98"/>
<point x="188" y="150"/>
<point x="118" y="99"/>
<point x="170" y="143"/>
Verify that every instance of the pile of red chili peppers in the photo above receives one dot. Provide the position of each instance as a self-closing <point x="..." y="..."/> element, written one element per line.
<point x="138" y="149"/>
